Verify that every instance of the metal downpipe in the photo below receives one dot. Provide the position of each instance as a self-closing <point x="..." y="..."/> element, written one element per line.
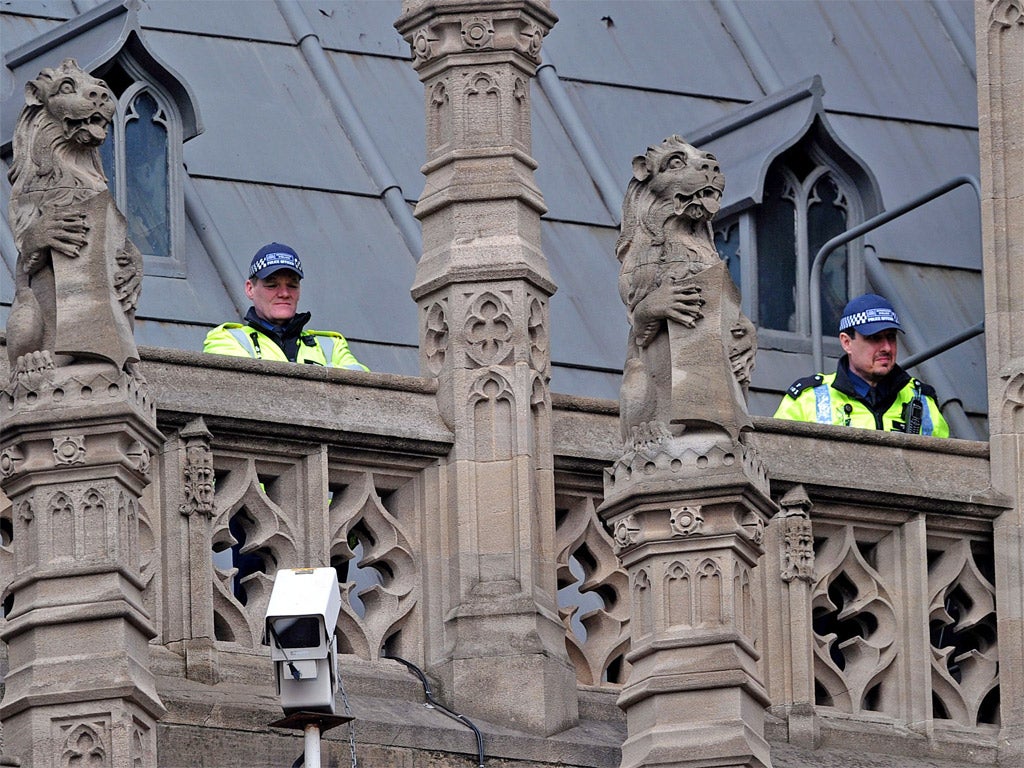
<point x="345" y="111"/>
<point x="210" y="237"/>
<point x="610" y="191"/>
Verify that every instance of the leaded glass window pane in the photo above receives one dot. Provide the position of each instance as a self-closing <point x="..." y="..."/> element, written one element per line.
<point x="826" y="218"/>
<point x="146" y="170"/>
<point x="777" y="256"/>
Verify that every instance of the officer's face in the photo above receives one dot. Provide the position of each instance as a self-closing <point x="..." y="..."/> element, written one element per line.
<point x="276" y="297"/>
<point x="871" y="357"/>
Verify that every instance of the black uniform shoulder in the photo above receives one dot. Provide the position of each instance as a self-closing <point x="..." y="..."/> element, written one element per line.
<point x="927" y="390"/>
<point x="807" y="382"/>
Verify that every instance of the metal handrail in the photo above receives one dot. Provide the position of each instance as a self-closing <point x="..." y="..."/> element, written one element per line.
<point x="852" y="234"/>
<point x="952" y="341"/>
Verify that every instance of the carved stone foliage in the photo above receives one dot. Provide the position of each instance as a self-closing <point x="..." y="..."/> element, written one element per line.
<point x="856" y="622"/>
<point x="593" y="594"/>
<point x="198" y="474"/>
<point x="962" y="620"/>
<point x="359" y="522"/>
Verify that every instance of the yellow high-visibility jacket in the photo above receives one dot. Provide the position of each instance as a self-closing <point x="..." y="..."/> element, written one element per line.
<point x="901" y="403"/>
<point x="326" y="348"/>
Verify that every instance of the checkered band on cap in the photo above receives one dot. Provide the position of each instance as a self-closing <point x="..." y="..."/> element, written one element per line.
<point x="281" y="259"/>
<point x="877" y="315"/>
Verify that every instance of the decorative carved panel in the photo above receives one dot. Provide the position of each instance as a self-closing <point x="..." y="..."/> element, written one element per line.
<point x="358" y="517"/>
<point x="962" y="620"/>
<point x="856" y="624"/>
<point x="593" y="600"/>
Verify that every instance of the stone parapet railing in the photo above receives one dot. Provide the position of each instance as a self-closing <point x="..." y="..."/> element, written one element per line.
<point x="875" y="598"/>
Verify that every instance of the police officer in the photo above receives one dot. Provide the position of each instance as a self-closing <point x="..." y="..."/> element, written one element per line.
<point x="273" y="327"/>
<point x="868" y="390"/>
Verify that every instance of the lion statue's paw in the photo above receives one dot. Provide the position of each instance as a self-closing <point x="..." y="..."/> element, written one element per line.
<point x="33" y="368"/>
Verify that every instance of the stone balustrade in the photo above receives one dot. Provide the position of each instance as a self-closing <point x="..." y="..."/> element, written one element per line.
<point x="874" y="606"/>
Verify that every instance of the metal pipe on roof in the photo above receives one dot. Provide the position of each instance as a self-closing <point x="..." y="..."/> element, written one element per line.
<point x="345" y="110"/>
<point x="610" y="191"/>
<point x="210" y="237"/>
<point x="751" y="50"/>
<point x="963" y="41"/>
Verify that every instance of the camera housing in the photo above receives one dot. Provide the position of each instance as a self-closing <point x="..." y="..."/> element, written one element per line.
<point x="299" y="627"/>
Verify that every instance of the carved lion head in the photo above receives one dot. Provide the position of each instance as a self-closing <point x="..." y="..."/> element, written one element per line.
<point x="682" y="175"/>
<point x="66" y="117"/>
<point x="675" y="191"/>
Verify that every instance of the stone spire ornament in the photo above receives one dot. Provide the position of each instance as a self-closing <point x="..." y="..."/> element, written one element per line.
<point x="495" y="641"/>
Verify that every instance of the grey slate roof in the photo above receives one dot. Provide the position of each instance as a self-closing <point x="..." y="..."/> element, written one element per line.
<point x="273" y="161"/>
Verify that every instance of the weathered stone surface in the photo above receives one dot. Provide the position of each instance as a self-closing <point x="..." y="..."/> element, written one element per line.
<point x="78" y="276"/>
<point x="999" y="35"/>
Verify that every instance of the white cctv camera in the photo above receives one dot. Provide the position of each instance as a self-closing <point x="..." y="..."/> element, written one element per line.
<point x="301" y="617"/>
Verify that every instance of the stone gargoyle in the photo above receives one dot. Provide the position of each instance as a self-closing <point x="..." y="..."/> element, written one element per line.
<point x="691" y="350"/>
<point x="78" y="276"/>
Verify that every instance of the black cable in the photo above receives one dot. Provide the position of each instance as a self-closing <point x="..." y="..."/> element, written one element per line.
<point x="454" y="715"/>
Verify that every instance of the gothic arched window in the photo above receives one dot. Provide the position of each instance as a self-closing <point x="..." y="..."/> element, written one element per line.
<point x="142" y="160"/>
<point x="807" y="200"/>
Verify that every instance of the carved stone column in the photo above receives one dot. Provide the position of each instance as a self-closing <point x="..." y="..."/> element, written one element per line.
<point x="687" y="502"/>
<point x="482" y="286"/>
<point x="75" y="448"/>
<point x="689" y="524"/>
<point x="789" y="557"/>
<point x="999" y="29"/>
<point x="77" y="430"/>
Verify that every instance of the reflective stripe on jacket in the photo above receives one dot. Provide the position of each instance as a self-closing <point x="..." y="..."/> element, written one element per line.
<point x="315" y="347"/>
<point x="819" y="401"/>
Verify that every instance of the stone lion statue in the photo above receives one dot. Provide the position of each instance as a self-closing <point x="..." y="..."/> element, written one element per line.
<point x="78" y="276"/>
<point x="691" y="350"/>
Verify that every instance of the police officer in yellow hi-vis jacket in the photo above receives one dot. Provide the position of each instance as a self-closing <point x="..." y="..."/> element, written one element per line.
<point x="273" y="327"/>
<point x="868" y="390"/>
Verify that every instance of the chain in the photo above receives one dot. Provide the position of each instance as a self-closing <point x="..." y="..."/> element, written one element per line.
<point x="351" y="724"/>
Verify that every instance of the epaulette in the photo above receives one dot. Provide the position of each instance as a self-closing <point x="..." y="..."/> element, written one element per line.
<point x="807" y="382"/>
<point x="927" y="390"/>
<point x="330" y="334"/>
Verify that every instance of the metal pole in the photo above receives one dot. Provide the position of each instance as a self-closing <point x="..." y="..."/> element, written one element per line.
<point x="312" y="745"/>
<point x="852" y="234"/>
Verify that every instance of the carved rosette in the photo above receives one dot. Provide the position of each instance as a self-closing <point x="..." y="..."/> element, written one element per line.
<point x="519" y="28"/>
<point x="11" y="458"/>
<point x="626" y="533"/>
<point x="686" y="520"/>
<point x="69" y="449"/>
<point x="477" y="33"/>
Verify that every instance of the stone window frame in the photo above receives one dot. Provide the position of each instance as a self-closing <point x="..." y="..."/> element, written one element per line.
<point x="745" y="224"/>
<point x="144" y="82"/>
